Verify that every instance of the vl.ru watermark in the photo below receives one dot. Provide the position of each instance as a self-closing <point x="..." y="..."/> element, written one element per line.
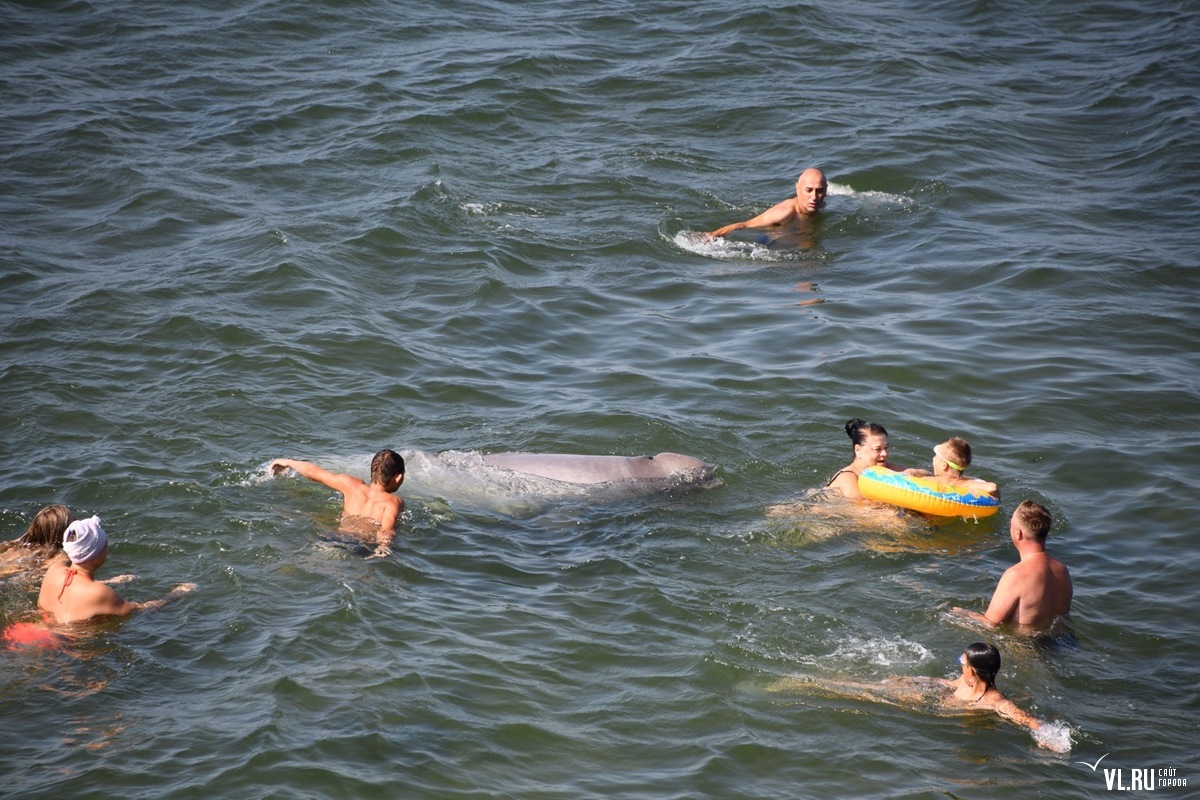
<point x="1144" y="779"/>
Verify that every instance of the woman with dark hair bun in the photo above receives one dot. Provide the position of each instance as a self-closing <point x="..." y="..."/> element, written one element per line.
<point x="870" y="441"/>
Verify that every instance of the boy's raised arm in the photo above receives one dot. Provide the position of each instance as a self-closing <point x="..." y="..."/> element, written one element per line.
<point x="334" y="480"/>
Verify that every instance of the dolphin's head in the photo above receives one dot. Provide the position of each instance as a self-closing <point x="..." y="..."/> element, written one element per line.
<point x="686" y="471"/>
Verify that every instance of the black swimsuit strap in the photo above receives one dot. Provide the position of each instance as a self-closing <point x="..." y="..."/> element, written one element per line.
<point x="839" y="472"/>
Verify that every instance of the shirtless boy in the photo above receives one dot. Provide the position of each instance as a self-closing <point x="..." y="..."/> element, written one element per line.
<point x="374" y="504"/>
<point x="70" y="591"/>
<point x="950" y="460"/>
<point x="1036" y="590"/>
<point x="811" y="189"/>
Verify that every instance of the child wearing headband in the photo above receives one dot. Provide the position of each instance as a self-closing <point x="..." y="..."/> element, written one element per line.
<point x="950" y="460"/>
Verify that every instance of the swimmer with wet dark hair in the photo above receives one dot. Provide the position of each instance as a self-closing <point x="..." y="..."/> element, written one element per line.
<point x="870" y="441"/>
<point x="973" y="690"/>
<point x="367" y="508"/>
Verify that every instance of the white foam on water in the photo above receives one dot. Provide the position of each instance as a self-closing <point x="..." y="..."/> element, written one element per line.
<point x="881" y="652"/>
<point x="724" y="248"/>
<point x="497" y="208"/>
<point x="871" y="197"/>
<point x="1054" y="736"/>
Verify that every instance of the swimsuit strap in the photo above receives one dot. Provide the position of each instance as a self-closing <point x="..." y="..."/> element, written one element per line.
<point x="71" y="573"/>
<point x="839" y="472"/>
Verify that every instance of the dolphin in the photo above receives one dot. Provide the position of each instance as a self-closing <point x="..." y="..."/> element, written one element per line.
<point x="527" y="484"/>
<point x="571" y="468"/>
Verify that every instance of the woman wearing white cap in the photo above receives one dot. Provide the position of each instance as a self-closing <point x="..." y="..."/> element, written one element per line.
<point x="70" y="591"/>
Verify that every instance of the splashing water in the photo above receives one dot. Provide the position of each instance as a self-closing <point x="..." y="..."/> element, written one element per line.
<point x="1054" y="736"/>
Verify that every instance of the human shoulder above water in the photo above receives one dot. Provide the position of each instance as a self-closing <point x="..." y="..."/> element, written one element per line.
<point x="811" y="190"/>
<point x="70" y="592"/>
<point x="1035" y="591"/>
<point x="870" y="443"/>
<point x="375" y="504"/>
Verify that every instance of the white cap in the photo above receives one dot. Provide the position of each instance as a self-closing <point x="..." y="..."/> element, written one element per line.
<point x="84" y="540"/>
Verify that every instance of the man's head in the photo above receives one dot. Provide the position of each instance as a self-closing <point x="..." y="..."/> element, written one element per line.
<point x="387" y="470"/>
<point x="84" y="541"/>
<point x="811" y="189"/>
<point x="1033" y="520"/>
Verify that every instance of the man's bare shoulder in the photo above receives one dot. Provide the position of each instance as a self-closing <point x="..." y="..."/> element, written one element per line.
<point x="1014" y="573"/>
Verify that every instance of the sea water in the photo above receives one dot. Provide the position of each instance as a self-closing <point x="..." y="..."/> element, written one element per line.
<point x="314" y="230"/>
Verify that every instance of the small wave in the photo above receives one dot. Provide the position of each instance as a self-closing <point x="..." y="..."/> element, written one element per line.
<point x="723" y="248"/>
<point x="497" y="207"/>
<point x="871" y="197"/>
<point x="881" y="652"/>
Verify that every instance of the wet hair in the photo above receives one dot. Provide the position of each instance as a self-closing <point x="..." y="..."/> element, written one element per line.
<point x="47" y="528"/>
<point x="1035" y="519"/>
<point x="959" y="451"/>
<point x="985" y="660"/>
<point x="859" y="429"/>
<point x="386" y="466"/>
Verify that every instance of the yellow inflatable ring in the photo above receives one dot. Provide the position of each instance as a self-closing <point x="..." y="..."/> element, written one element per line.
<point x="926" y="495"/>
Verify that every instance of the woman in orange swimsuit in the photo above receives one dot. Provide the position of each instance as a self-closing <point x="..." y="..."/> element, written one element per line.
<point x="70" y="591"/>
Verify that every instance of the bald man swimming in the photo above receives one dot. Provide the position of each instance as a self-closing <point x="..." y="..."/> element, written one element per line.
<point x="811" y="189"/>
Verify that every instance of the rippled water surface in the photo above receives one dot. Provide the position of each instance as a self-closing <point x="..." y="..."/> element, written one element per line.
<point x="318" y="229"/>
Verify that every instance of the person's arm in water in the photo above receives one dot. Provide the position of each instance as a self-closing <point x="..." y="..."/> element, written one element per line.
<point x="1003" y="607"/>
<point x="101" y="600"/>
<point x="337" y="481"/>
<point x="1006" y="600"/>
<point x="775" y="215"/>
<point x="178" y="591"/>
<point x="387" y="529"/>
<point x="1013" y="713"/>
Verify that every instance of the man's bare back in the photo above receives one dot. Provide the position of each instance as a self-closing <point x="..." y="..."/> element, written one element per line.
<point x="1033" y="592"/>
<point x="1036" y="590"/>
